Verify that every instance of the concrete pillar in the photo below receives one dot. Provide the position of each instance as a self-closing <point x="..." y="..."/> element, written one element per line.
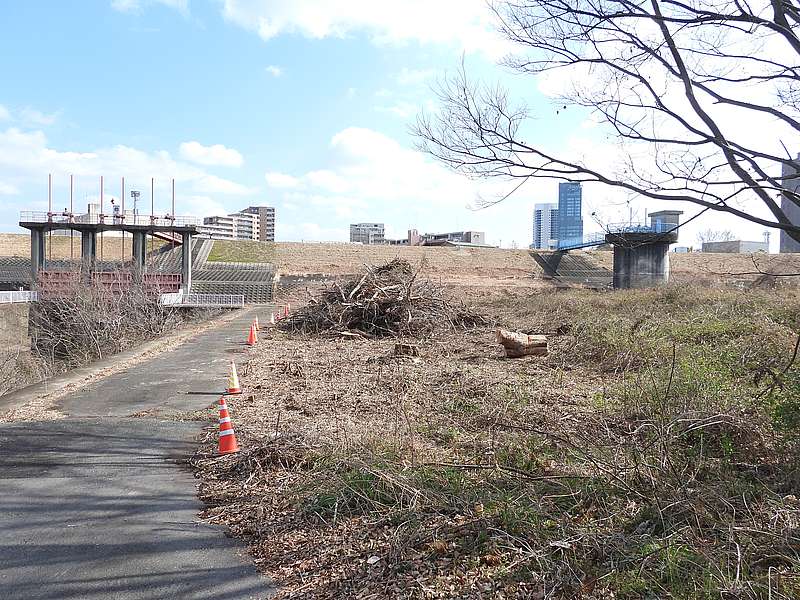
<point x="641" y="266"/>
<point x="88" y="249"/>
<point x="186" y="262"/>
<point x="37" y="253"/>
<point x="139" y="250"/>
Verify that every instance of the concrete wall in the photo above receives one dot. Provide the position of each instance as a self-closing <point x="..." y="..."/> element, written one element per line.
<point x="641" y="266"/>
<point x="735" y="246"/>
<point x="14" y="327"/>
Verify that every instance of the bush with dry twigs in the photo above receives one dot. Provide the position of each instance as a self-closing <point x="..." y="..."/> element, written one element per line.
<point x="386" y="300"/>
<point x="88" y="322"/>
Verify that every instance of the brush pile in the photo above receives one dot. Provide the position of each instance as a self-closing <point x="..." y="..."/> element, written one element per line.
<point x="387" y="300"/>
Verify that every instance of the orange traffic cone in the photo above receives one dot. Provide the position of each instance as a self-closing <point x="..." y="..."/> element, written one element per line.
<point x="227" y="438"/>
<point x="233" y="381"/>
<point x="255" y="321"/>
<point x="251" y="337"/>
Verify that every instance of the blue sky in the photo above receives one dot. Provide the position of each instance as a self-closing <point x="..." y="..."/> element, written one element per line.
<point x="302" y="104"/>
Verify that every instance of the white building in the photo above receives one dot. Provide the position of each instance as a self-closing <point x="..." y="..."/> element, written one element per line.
<point x="253" y="223"/>
<point x="545" y="226"/>
<point x="367" y="233"/>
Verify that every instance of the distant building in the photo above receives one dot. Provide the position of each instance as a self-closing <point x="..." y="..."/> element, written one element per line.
<point x="736" y="247"/>
<point x="367" y="233"/>
<point x="570" y="211"/>
<point x="545" y="226"/>
<point x="477" y="238"/>
<point x="256" y="223"/>
<point x="791" y="180"/>
<point x="266" y="221"/>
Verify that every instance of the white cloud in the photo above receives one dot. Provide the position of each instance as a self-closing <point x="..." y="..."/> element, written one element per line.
<point x="4" y="114"/>
<point x="402" y="109"/>
<point x="280" y="180"/>
<point x="135" y="6"/>
<point x="370" y="176"/>
<point x="216" y="155"/>
<point x="463" y="24"/>
<point x="274" y="70"/>
<point x="414" y="76"/>
<point x="6" y="189"/>
<point x="26" y="158"/>
<point x="37" y="118"/>
<point x="203" y="206"/>
<point x="211" y="184"/>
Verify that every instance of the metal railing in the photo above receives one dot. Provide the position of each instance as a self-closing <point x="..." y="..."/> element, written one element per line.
<point x="203" y="300"/>
<point x="114" y="219"/>
<point x="21" y="296"/>
<point x="595" y="239"/>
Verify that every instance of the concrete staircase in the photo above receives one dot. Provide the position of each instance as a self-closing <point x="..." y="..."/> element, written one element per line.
<point x="573" y="269"/>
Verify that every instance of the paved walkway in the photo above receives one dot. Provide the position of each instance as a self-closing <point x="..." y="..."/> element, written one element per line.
<point x="98" y="505"/>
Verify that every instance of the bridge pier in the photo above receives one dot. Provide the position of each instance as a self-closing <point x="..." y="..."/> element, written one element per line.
<point x="640" y="265"/>
<point x="37" y="253"/>
<point x="139" y="250"/>
<point x="186" y="262"/>
<point x="88" y="250"/>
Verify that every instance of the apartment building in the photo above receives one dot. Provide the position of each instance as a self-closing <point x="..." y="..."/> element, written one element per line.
<point x="545" y="226"/>
<point x="253" y="223"/>
<point x="367" y="233"/>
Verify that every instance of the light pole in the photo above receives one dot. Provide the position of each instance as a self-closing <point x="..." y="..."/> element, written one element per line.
<point x="135" y="195"/>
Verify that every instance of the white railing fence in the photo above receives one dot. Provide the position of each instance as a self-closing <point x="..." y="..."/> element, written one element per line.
<point x="21" y="296"/>
<point x="199" y="300"/>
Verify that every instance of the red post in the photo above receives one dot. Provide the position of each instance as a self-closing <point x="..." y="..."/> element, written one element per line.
<point x="71" y="231"/>
<point x="102" y="218"/>
<point x="122" y="220"/>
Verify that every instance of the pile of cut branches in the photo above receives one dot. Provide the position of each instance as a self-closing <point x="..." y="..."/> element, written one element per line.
<point x="387" y="300"/>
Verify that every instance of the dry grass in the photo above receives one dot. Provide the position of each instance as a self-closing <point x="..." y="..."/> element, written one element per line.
<point x="652" y="454"/>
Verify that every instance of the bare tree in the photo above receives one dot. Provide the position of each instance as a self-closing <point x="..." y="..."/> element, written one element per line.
<point x="680" y="84"/>
<point x="714" y="235"/>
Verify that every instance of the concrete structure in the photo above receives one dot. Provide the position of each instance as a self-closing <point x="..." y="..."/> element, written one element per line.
<point x="367" y="233"/>
<point x="90" y="225"/>
<point x="663" y="221"/>
<point x="641" y="253"/>
<point x="570" y="210"/>
<point x="545" y="226"/>
<point x="791" y="206"/>
<point x="14" y="327"/>
<point x="477" y="238"/>
<point x="736" y="247"/>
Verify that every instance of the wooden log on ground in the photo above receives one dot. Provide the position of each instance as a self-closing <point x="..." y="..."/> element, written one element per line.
<point x="517" y="345"/>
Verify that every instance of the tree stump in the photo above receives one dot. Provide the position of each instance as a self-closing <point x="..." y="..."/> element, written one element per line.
<point x="517" y="345"/>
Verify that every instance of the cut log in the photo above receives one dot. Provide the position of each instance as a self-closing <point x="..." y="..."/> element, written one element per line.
<point x="520" y="344"/>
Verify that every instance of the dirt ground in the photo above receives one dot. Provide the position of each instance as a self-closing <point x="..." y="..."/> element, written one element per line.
<point x="643" y="457"/>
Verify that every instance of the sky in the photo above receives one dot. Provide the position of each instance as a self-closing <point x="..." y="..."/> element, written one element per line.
<point x="305" y="105"/>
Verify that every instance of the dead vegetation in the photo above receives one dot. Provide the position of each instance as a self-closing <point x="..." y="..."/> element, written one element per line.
<point x="386" y="300"/>
<point x="85" y="323"/>
<point x="651" y="454"/>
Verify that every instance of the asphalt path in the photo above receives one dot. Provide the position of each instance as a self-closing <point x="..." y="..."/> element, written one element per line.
<point x="100" y="505"/>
